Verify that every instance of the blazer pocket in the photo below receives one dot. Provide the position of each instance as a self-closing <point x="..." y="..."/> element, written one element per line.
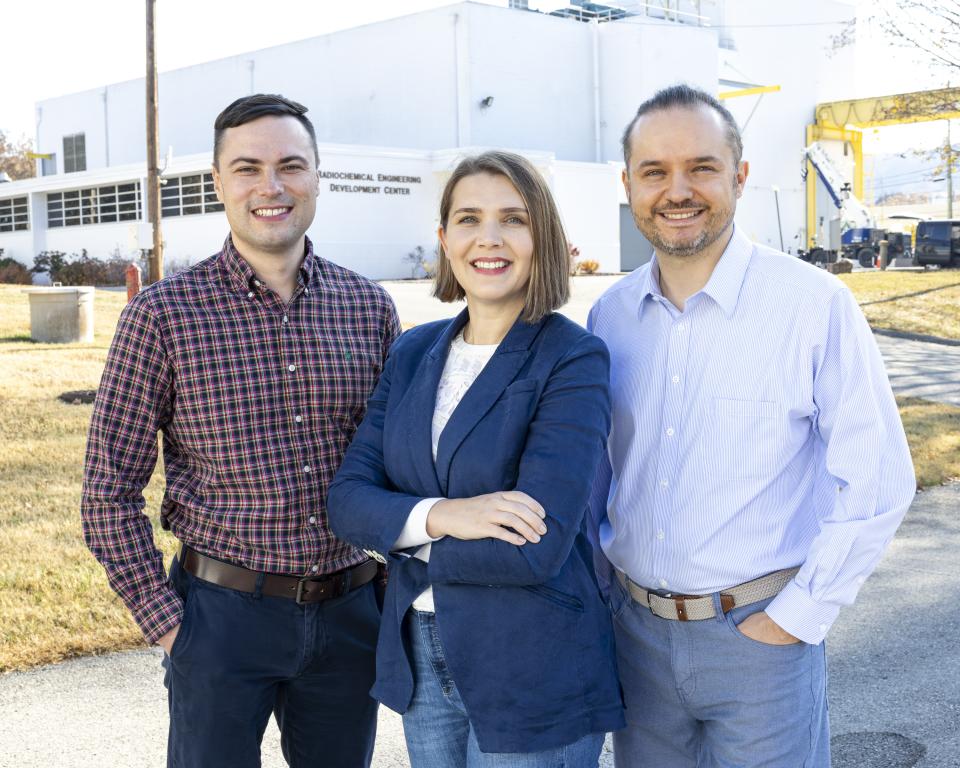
<point x="555" y="596"/>
<point x="519" y="386"/>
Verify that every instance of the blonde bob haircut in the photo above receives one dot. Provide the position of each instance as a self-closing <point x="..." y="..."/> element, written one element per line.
<point x="549" y="285"/>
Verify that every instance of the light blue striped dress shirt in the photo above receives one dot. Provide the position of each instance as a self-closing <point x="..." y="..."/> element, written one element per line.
<point x="754" y="431"/>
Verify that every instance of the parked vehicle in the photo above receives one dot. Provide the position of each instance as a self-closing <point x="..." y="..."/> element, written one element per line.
<point x="937" y="243"/>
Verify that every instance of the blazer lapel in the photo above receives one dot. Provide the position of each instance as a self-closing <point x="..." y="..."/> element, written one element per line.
<point x="489" y="385"/>
<point x="419" y="402"/>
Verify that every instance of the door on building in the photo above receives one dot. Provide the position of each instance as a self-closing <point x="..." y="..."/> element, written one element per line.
<point x="635" y="249"/>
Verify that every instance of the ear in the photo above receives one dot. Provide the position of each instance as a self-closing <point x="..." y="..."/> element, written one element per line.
<point x="442" y="237"/>
<point x="625" y="179"/>
<point x="217" y="183"/>
<point x="318" y="183"/>
<point x="742" y="172"/>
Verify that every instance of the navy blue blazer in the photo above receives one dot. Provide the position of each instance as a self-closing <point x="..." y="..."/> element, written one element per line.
<point x="525" y="633"/>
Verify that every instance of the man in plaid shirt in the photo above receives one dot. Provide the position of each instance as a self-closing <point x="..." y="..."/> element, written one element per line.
<point x="255" y="366"/>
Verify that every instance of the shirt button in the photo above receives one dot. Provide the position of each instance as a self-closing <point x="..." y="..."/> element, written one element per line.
<point x="286" y="319"/>
<point x="681" y="327"/>
<point x="314" y="568"/>
<point x="291" y="367"/>
<point x="313" y="519"/>
<point x="660" y="535"/>
<point x="298" y="418"/>
<point x="664" y="483"/>
<point x="306" y="467"/>
<point x="249" y="294"/>
<point x="675" y="379"/>
<point x="669" y="431"/>
<point x="663" y="583"/>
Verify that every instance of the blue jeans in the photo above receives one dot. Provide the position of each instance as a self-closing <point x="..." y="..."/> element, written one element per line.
<point x="240" y="657"/>
<point x="436" y="725"/>
<point x="701" y="693"/>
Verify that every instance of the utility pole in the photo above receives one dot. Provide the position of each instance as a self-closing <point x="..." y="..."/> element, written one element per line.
<point x="949" y="173"/>
<point x="155" y="266"/>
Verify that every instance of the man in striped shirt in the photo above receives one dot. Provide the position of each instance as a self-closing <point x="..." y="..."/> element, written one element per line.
<point x="255" y="366"/>
<point x="757" y="463"/>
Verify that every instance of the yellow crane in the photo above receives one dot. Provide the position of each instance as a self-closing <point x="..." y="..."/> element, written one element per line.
<point x="844" y="121"/>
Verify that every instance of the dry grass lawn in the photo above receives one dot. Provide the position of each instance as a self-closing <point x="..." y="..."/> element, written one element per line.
<point x="885" y="299"/>
<point x="54" y="600"/>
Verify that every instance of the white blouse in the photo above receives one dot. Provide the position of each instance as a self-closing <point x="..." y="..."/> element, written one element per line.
<point x="464" y="363"/>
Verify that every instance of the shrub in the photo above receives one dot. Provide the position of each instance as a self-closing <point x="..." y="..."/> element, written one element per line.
<point x="83" y="269"/>
<point x="12" y="271"/>
<point x="587" y="267"/>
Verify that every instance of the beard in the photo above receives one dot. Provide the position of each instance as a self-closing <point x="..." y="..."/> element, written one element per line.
<point x="714" y="225"/>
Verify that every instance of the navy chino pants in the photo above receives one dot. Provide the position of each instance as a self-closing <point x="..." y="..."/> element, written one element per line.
<point x="240" y="657"/>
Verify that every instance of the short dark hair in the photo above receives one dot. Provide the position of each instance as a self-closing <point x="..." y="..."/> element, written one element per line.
<point x="685" y="96"/>
<point x="549" y="284"/>
<point x="249" y="108"/>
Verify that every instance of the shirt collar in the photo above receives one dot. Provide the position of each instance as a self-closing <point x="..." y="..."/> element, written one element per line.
<point x="727" y="279"/>
<point x="242" y="277"/>
<point x="724" y="284"/>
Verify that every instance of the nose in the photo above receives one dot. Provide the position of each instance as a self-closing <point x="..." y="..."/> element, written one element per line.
<point x="490" y="236"/>
<point x="680" y="189"/>
<point x="270" y="184"/>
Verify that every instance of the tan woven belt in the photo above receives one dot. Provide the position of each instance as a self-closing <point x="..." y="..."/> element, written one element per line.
<point x="700" y="607"/>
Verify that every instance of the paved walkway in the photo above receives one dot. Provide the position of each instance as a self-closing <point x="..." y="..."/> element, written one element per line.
<point x="894" y="677"/>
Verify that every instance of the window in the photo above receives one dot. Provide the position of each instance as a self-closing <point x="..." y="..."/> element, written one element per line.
<point x="74" y="153"/>
<point x="186" y="195"/>
<point x="14" y="214"/>
<point x="94" y="205"/>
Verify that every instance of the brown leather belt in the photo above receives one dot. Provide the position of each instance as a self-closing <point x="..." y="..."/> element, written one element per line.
<point x="306" y="589"/>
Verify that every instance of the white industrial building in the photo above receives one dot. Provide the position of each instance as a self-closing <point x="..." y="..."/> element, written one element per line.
<point x="395" y="104"/>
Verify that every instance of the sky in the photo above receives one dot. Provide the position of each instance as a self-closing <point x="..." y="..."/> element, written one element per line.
<point x="54" y="47"/>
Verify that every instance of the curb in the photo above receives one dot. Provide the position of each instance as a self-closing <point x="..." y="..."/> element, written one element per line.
<point x="916" y="337"/>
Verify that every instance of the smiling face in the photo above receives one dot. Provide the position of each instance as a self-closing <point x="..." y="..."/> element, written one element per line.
<point x="266" y="178"/>
<point x="488" y="241"/>
<point x="682" y="182"/>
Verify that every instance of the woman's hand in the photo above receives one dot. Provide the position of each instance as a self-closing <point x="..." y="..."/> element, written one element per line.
<point x="511" y="516"/>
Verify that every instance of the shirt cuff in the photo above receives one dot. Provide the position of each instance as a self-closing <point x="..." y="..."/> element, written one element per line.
<point x="414" y="531"/>
<point x="802" y="616"/>
<point x="160" y="614"/>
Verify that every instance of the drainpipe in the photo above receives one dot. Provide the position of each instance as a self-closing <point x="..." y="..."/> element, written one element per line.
<point x="597" y="144"/>
<point x="462" y="65"/>
<point x="106" y="130"/>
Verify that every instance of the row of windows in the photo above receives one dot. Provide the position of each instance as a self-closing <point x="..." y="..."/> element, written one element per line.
<point x="186" y="195"/>
<point x="94" y="205"/>
<point x="14" y="214"/>
<point x="180" y="196"/>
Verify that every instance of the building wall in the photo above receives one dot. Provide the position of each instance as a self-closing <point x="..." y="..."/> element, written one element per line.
<point x="403" y="97"/>
<point x="775" y="123"/>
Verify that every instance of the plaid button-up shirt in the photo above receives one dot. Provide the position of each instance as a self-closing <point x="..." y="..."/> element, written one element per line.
<point x="256" y="401"/>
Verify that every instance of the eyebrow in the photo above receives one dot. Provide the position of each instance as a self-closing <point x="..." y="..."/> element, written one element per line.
<point x="701" y="159"/>
<point x="512" y="209"/>
<point x="257" y="161"/>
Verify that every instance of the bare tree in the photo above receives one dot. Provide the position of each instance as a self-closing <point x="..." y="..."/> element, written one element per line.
<point x="13" y="157"/>
<point x="929" y="26"/>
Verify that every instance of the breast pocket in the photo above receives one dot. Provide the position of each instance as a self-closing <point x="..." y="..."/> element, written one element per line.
<point x="745" y="437"/>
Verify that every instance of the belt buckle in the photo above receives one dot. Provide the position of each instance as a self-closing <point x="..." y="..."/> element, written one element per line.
<point x="338" y="583"/>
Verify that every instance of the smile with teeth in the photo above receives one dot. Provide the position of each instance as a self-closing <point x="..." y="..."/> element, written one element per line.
<point x="266" y="212"/>
<point x="493" y="264"/>
<point x="679" y="215"/>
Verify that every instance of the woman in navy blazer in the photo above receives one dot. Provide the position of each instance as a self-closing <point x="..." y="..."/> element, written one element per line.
<point x="472" y="471"/>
